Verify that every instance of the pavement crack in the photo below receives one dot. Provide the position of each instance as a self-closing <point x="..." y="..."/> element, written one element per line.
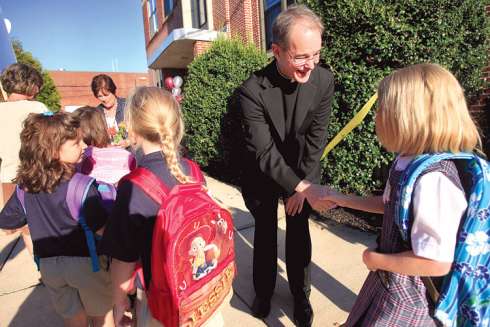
<point x="19" y="290"/>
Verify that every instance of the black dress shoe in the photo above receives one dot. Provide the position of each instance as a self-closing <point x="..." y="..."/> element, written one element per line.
<point x="303" y="313"/>
<point x="261" y="307"/>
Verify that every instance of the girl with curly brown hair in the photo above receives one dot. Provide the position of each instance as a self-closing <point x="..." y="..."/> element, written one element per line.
<point x="51" y="146"/>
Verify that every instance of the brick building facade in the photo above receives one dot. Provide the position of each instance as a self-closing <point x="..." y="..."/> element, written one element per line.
<point x="178" y="30"/>
<point x="75" y="90"/>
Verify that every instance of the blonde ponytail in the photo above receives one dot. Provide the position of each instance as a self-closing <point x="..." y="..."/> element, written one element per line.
<point x="171" y="154"/>
<point x="153" y="114"/>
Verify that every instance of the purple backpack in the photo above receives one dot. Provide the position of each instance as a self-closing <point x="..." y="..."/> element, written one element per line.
<point x="78" y="188"/>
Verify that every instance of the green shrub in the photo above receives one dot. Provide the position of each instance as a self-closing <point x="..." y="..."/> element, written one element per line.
<point x="365" y="40"/>
<point x="49" y="94"/>
<point x="212" y="123"/>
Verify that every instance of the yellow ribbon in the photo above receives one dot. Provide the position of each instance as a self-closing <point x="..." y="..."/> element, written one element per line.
<point x="353" y="123"/>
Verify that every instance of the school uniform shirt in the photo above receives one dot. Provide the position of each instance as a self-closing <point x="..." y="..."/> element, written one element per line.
<point x="438" y="206"/>
<point x="128" y="234"/>
<point x="53" y="230"/>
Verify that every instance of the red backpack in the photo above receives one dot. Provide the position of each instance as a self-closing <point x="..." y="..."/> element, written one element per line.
<point x="193" y="253"/>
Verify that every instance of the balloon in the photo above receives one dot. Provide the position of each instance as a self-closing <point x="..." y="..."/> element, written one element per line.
<point x="178" y="81"/>
<point x="176" y="91"/>
<point x="169" y="83"/>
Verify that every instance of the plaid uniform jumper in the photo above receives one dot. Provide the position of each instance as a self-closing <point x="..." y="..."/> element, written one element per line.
<point x="390" y="299"/>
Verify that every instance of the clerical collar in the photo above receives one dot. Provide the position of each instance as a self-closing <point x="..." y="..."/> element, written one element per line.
<point x="291" y="80"/>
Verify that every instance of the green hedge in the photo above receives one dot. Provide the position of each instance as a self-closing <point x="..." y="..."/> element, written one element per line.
<point x="212" y="123"/>
<point x="365" y="40"/>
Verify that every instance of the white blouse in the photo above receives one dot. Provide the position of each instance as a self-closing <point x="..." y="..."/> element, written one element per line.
<point x="438" y="206"/>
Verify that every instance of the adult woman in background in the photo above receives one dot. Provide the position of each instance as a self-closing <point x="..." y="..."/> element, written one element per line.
<point x="22" y="83"/>
<point x="104" y="89"/>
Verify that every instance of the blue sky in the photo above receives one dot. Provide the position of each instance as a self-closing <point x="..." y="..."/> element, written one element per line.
<point x="80" y="35"/>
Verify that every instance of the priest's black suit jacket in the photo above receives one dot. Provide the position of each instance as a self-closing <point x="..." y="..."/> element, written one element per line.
<point x="278" y="163"/>
<point x="275" y="159"/>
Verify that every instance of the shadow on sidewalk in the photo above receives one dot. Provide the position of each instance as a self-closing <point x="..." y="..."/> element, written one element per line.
<point x="347" y="233"/>
<point x="327" y="285"/>
<point x="11" y="250"/>
<point x="36" y="310"/>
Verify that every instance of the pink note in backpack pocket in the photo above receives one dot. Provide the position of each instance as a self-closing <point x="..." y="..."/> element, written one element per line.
<point x="107" y="164"/>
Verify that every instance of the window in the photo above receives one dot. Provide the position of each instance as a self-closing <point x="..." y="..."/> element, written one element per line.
<point x="168" y="6"/>
<point x="272" y="8"/>
<point x="152" y="17"/>
<point x="199" y="14"/>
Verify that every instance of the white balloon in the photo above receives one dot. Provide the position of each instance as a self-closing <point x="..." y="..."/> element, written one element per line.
<point x="178" y="81"/>
<point x="176" y="91"/>
<point x="8" y="25"/>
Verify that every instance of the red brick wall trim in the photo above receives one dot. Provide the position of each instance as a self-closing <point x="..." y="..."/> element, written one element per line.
<point x="75" y="90"/>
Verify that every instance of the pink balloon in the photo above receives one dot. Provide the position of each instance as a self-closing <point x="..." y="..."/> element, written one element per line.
<point x="169" y="83"/>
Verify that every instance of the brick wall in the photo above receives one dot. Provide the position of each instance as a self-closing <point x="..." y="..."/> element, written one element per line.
<point x="257" y="31"/>
<point x="200" y="47"/>
<point x="75" y="90"/>
<point x="238" y="21"/>
<point x="240" y="18"/>
<point x="221" y="15"/>
<point x="146" y="26"/>
<point x="165" y="25"/>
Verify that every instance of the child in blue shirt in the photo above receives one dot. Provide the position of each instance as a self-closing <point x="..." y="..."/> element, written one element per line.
<point x="51" y="146"/>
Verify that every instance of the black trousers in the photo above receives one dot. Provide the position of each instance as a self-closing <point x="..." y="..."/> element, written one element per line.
<point x="298" y="247"/>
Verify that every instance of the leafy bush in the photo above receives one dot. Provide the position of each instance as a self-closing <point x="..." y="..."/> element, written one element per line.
<point x="49" y="94"/>
<point x="365" y="40"/>
<point x="212" y="122"/>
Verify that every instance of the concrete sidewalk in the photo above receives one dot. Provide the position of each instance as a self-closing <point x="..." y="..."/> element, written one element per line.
<point x="337" y="273"/>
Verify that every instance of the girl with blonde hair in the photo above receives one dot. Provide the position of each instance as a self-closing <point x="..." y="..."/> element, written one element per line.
<point x="156" y="127"/>
<point x="421" y="110"/>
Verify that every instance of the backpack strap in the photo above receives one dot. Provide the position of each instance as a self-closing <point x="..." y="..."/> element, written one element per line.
<point x="78" y="188"/>
<point x="108" y="194"/>
<point x="21" y="196"/>
<point x="149" y="183"/>
<point x="407" y="182"/>
<point x="77" y="192"/>
<point x="196" y="172"/>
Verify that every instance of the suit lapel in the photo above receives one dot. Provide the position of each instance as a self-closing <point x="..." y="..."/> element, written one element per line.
<point x="274" y="105"/>
<point x="306" y="95"/>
